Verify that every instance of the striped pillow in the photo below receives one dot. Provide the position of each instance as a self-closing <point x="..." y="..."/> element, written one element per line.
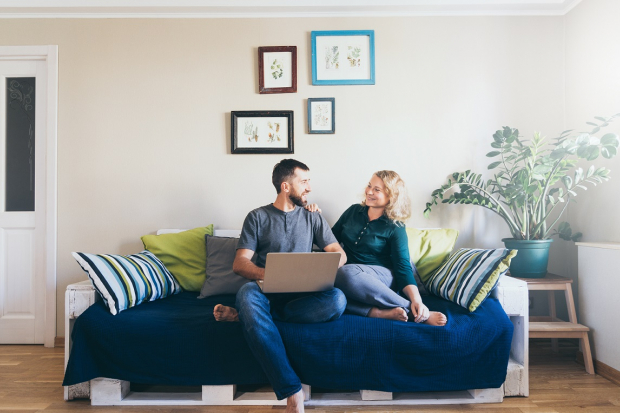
<point x="126" y="281"/>
<point x="469" y="275"/>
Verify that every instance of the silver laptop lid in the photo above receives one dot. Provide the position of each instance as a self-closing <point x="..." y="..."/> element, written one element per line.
<point x="296" y="272"/>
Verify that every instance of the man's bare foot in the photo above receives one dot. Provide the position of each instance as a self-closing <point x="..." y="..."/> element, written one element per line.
<point x="436" y="318"/>
<point x="398" y="313"/>
<point x="295" y="403"/>
<point x="224" y="313"/>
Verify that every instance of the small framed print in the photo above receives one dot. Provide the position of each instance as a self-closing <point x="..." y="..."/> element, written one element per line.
<point x="261" y="131"/>
<point x="343" y="57"/>
<point x="321" y="115"/>
<point x="277" y="69"/>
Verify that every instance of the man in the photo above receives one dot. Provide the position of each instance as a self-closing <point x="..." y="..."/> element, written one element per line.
<point x="284" y="226"/>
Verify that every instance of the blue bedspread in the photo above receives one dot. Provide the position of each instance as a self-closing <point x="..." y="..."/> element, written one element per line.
<point x="176" y="341"/>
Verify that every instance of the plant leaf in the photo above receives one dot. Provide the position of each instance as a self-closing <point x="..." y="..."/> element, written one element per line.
<point x="608" y="151"/>
<point x="610" y="139"/>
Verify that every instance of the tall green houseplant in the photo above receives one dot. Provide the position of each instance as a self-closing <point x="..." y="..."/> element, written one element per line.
<point x="531" y="178"/>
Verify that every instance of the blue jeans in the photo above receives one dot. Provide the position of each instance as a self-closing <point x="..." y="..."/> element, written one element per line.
<point x="256" y="314"/>
<point x="368" y="286"/>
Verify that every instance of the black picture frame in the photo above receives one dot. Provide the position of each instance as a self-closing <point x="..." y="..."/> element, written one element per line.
<point x="261" y="132"/>
<point x="328" y="117"/>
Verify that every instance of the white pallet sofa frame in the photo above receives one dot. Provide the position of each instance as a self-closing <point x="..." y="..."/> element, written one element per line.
<point x="511" y="293"/>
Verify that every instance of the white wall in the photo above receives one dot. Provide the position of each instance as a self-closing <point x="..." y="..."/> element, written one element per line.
<point x="593" y="89"/>
<point x="143" y="139"/>
<point x="598" y="302"/>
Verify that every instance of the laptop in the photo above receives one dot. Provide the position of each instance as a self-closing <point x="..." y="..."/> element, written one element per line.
<point x="299" y="272"/>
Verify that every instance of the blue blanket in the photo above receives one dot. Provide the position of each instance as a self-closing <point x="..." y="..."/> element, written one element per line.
<point x="176" y="341"/>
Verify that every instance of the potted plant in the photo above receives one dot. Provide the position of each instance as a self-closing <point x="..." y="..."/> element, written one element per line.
<point x="530" y="180"/>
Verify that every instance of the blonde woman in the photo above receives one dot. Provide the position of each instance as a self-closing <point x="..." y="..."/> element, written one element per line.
<point x="378" y="278"/>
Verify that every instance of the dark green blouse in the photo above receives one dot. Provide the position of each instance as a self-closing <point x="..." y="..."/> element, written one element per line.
<point x="377" y="242"/>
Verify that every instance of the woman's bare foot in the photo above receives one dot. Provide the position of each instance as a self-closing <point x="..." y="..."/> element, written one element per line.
<point x="398" y="313"/>
<point x="436" y="318"/>
<point x="224" y="313"/>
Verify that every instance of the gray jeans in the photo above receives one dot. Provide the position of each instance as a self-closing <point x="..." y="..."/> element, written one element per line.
<point x="368" y="286"/>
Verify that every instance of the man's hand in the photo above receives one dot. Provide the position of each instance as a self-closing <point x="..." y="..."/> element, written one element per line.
<point x="335" y="247"/>
<point x="313" y="208"/>
<point x="244" y="266"/>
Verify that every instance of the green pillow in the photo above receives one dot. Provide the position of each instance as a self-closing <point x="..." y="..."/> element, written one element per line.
<point x="429" y="248"/>
<point x="184" y="255"/>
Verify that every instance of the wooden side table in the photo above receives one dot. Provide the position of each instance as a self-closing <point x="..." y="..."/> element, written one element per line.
<point x="551" y="326"/>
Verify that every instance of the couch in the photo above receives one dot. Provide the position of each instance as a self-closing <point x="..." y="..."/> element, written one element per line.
<point x="479" y="357"/>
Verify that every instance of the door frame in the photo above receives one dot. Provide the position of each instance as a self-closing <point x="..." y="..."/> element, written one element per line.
<point x="48" y="54"/>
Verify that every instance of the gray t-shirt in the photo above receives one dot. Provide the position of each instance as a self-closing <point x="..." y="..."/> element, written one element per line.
<point x="268" y="229"/>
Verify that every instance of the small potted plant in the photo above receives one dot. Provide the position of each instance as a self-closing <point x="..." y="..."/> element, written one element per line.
<point x="530" y="180"/>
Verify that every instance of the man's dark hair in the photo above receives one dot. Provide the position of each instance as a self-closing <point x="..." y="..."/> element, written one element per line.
<point x="285" y="170"/>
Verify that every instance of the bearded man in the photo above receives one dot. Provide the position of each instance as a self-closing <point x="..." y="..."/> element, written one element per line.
<point x="284" y="226"/>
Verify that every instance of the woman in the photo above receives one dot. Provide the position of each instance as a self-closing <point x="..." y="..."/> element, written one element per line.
<point x="378" y="267"/>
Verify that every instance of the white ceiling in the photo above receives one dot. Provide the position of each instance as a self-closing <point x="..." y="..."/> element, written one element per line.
<point x="277" y="8"/>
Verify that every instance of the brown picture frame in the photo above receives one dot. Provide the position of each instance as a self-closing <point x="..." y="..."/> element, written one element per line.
<point x="280" y="74"/>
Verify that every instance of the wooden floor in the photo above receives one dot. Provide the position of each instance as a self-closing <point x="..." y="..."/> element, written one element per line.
<point x="31" y="376"/>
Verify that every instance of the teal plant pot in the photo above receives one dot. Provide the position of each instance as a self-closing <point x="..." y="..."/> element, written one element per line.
<point x="531" y="259"/>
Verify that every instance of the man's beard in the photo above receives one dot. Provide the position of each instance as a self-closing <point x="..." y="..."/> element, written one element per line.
<point x="297" y="200"/>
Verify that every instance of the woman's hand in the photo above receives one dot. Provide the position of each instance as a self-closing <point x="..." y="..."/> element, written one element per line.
<point x="313" y="208"/>
<point x="419" y="312"/>
<point x="417" y="307"/>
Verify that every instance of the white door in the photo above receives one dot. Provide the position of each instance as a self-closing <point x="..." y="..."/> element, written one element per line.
<point x="23" y="107"/>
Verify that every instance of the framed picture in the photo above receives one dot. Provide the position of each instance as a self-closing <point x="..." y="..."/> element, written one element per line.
<point x="321" y="115"/>
<point x="277" y="69"/>
<point x="261" y="131"/>
<point x="343" y="57"/>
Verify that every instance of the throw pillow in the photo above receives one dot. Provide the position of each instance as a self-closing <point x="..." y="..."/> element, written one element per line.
<point x="126" y="281"/>
<point x="220" y="278"/>
<point x="429" y="248"/>
<point x="469" y="275"/>
<point x="183" y="254"/>
<point x="418" y="281"/>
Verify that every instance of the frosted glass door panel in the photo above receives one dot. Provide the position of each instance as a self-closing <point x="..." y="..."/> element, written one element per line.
<point x="20" y="141"/>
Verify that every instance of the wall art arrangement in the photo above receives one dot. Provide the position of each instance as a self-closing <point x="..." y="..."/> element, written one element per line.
<point x="339" y="57"/>
<point x="277" y="69"/>
<point x="261" y="131"/>
<point x="321" y="115"/>
<point x="343" y="57"/>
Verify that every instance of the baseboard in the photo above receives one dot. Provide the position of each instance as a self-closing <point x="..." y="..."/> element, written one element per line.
<point x="602" y="369"/>
<point x="59" y="342"/>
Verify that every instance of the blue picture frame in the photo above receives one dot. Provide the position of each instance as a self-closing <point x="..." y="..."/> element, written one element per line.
<point x="331" y="75"/>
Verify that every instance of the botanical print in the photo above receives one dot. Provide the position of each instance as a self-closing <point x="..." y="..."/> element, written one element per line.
<point x="276" y="69"/>
<point x="342" y="59"/>
<point x="332" y="57"/>
<point x="274" y="131"/>
<point x="251" y="131"/>
<point x="262" y="132"/>
<point x="321" y="114"/>
<point x="353" y="56"/>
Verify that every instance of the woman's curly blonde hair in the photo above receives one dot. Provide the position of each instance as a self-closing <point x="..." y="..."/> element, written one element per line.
<point x="398" y="208"/>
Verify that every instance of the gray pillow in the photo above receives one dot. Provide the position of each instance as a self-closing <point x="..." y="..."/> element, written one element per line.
<point x="421" y="287"/>
<point x="220" y="276"/>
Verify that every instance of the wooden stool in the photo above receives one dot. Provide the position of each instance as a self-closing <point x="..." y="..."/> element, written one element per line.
<point x="551" y="326"/>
